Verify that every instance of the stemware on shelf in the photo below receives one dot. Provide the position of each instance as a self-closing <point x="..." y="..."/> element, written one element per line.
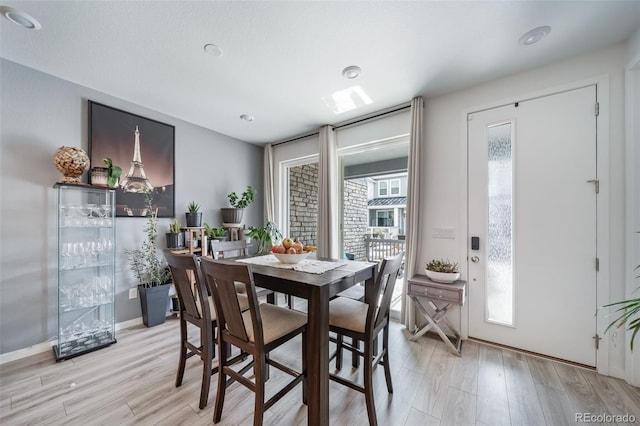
<point x="86" y="269"/>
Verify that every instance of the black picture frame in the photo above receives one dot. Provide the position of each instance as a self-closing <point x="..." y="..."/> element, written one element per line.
<point x="112" y="134"/>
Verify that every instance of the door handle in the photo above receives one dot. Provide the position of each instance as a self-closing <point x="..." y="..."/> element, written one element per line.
<point x="475" y="259"/>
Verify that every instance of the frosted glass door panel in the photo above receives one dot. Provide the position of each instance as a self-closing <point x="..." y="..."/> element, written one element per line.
<point x="499" y="294"/>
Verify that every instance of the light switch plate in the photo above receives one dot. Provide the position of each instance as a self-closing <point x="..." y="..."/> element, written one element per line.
<point x="449" y="233"/>
<point x="133" y="293"/>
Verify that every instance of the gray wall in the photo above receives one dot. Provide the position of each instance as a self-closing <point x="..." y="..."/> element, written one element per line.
<point x="39" y="113"/>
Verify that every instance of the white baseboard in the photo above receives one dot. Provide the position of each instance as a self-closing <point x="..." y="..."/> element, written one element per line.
<point x="46" y="346"/>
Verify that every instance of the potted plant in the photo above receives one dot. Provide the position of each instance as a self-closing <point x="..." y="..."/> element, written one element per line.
<point x="233" y="215"/>
<point x="628" y="313"/>
<point x="265" y="236"/>
<point x="442" y="271"/>
<point x="113" y="173"/>
<point x="194" y="216"/>
<point x="217" y="233"/>
<point x="175" y="238"/>
<point x="152" y="273"/>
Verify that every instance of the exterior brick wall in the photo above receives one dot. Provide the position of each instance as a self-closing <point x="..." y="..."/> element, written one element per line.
<point x="303" y="203"/>
<point x="355" y="217"/>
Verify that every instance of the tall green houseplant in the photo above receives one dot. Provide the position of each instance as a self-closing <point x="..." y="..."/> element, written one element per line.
<point x="152" y="272"/>
<point x="628" y="312"/>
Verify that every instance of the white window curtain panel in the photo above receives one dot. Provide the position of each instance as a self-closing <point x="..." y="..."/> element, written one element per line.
<point x="407" y="312"/>
<point x="269" y="193"/>
<point x="328" y="230"/>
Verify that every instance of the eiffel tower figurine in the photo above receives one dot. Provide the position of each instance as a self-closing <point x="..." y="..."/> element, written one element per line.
<point x="136" y="180"/>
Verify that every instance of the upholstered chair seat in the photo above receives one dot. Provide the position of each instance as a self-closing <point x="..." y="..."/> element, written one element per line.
<point x="348" y="314"/>
<point x="256" y="332"/>
<point x="364" y="322"/>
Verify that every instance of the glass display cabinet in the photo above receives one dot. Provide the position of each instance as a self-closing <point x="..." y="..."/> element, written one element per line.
<point x="86" y="269"/>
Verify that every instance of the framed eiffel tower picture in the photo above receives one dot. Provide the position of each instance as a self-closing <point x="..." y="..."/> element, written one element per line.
<point x="145" y="151"/>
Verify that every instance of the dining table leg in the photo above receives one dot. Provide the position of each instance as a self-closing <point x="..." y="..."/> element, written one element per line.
<point x="318" y="357"/>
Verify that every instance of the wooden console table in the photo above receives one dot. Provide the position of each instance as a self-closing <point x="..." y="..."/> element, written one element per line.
<point x="425" y="293"/>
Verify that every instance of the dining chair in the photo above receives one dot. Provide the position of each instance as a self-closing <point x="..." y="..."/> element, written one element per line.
<point x="364" y="322"/>
<point x="230" y="249"/>
<point x="192" y="290"/>
<point x="257" y="331"/>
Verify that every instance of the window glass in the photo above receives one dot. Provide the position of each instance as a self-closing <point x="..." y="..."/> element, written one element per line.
<point x="384" y="218"/>
<point x="394" y="186"/>
<point x="382" y="188"/>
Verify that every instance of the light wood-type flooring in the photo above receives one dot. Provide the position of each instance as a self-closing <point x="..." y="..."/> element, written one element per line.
<point x="132" y="382"/>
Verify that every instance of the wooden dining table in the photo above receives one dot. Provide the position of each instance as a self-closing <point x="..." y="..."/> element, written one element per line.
<point x="317" y="289"/>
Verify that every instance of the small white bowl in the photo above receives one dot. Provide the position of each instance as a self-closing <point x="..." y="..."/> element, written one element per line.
<point x="442" y="277"/>
<point x="291" y="258"/>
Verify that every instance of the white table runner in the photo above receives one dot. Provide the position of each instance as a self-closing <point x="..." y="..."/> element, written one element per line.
<point x="311" y="266"/>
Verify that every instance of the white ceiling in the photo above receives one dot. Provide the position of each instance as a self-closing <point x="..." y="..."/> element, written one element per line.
<point x="281" y="59"/>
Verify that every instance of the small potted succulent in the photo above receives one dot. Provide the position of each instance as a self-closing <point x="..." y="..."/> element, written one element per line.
<point x="175" y="238"/>
<point x="233" y="215"/>
<point x="442" y="271"/>
<point x="193" y="215"/>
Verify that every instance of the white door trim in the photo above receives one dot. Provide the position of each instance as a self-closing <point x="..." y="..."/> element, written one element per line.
<point x="602" y="134"/>
<point x="632" y="179"/>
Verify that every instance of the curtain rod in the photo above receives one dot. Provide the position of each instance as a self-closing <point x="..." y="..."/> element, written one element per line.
<point x="296" y="138"/>
<point x="371" y="117"/>
<point x="349" y="123"/>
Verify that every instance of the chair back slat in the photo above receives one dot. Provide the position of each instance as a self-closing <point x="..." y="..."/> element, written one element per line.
<point x="383" y="287"/>
<point x="228" y="249"/>
<point x="222" y="277"/>
<point x="188" y="285"/>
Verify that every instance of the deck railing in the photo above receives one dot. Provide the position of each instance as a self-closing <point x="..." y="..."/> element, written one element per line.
<point x="378" y="248"/>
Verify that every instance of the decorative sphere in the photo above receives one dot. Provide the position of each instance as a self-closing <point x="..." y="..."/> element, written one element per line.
<point x="72" y="162"/>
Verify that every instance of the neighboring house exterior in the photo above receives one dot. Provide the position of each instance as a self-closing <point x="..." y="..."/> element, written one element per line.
<point x="387" y="202"/>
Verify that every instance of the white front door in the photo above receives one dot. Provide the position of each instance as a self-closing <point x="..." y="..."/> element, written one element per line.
<point x="532" y="207"/>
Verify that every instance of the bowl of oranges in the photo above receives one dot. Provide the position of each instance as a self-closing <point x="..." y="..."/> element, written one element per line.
<point x="291" y="251"/>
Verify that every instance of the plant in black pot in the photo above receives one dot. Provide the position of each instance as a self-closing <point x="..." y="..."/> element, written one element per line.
<point x="175" y="238"/>
<point x="233" y="216"/>
<point x="194" y="216"/>
<point x="152" y="273"/>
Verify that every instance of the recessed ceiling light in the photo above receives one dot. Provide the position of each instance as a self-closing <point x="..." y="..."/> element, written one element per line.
<point x="20" y="18"/>
<point x="534" y="36"/>
<point x="212" y="50"/>
<point x="351" y="72"/>
<point x="246" y="117"/>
